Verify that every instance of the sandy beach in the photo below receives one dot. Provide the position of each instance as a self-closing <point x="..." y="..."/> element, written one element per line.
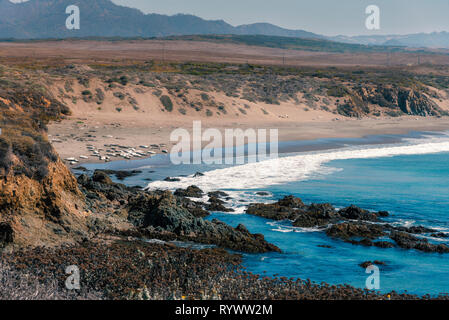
<point x="73" y="136"/>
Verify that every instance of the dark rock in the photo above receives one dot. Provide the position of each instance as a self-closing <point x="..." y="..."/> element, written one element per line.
<point x="84" y="179"/>
<point x="347" y="231"/>
<point x="170" y="179"/>
<point x="405" y="240"/>
<point x="218" y="194"/>
<point x="80" y="169"/>
<point x="194" y="207"/>
<point x="364" y="242"/>
<point x="439" y="235"/>
<point x="101" y="177"/>
<point x="122" y="174"/>
<point x="242" y="229"/>
<point x="191" y="192"/>
<point x="383" y="214"/>
<point x="103" y="189"/>
<point x="6" y="233"/>
<point x="162" y="214"/>
<point x="408" y="241"/>
<point x="263" y="193"/>
<point x="291" y="202"/>
<point x="355" y="213"/>
<point x="198" y="174"/>
<point x="366" y="264"/>
<point x="415" y="230"/>
<point x="216" y="204"/>
<point x="316" y="215"/>
<point x="285" y="209"/>
<point x="384" y="244"/>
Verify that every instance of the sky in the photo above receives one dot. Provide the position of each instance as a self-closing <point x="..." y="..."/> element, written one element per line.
<point x="328" y="17"/>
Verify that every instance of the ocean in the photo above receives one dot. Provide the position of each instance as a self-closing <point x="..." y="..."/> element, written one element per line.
<point x="407" y="176"/>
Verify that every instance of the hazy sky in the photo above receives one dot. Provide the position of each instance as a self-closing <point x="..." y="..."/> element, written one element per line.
<point x="330" y="17"/>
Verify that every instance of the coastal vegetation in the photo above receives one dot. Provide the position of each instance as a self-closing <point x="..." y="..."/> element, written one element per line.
<point x="42" y="203"/>
<point x="187" y="86"/>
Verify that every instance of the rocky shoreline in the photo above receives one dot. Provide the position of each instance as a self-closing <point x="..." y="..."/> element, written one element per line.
<point x="352" y="225"/>
<point x="117" y="269"/>
<point x="164" y="215"/>
<point x="49" y="219"/>
<point x="118" y="263"/>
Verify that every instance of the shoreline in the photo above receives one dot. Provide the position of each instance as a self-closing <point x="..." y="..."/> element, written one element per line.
<point x="135" y="135"/>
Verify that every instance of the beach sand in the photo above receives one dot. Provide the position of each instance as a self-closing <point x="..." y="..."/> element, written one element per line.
<point x="97" y="127"/>
<point x="71" y="137"/>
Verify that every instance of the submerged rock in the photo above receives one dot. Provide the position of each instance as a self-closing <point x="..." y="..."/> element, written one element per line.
<point x="216" y="204"/>
<point x="122" y="174"/>
<point x="170" y="179"/>
<point x="409" y="241"/>
<point x="352" y="224"/>
<point x="316" y="215"/>
<point x="366" y="264"/>
<point x="218" y="194"/>
<point x="347" y="231"/>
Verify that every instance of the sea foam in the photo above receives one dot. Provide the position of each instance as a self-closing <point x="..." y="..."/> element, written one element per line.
<point x="297" y="167"/>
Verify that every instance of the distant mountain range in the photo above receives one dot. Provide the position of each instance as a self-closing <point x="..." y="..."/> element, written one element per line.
<point x="428" y="40"/>
<point x="102" y="18"/>
<point x="43" y="19"/>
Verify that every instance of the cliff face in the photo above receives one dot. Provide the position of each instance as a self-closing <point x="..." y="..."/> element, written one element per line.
<point x="41" y="212"/>
<point x="40" y="202"/>
<point x="394" y="100"/>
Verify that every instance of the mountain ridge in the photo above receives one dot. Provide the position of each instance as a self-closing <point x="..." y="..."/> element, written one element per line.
<point x="45" y="19"/>
<point x="103" y="18"/>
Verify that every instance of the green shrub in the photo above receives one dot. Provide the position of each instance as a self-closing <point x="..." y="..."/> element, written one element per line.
<point x="337" y="91"/>
<point x="167" y="103"/>
<point x="222" y="109"/>
<point x="119" y="95"/>
<point x="124" y="80"/>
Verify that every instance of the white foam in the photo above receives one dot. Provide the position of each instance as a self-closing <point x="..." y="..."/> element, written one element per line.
<point x="297" y="167"/>
<point x="281" y="226"/>
<point x="279" y="229"/>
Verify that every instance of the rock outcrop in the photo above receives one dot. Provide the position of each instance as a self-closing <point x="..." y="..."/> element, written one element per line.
<point x="391" y="99"/>
<point x="40" y="203"/>
<point x="352" y="224"/>
<point x="163" y="215"/>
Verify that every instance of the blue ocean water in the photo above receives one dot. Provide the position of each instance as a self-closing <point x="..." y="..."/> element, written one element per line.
<point x="414" y="188"/>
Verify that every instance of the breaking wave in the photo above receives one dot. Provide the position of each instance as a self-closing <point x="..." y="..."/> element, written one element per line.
<point x="297" y="167"/>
